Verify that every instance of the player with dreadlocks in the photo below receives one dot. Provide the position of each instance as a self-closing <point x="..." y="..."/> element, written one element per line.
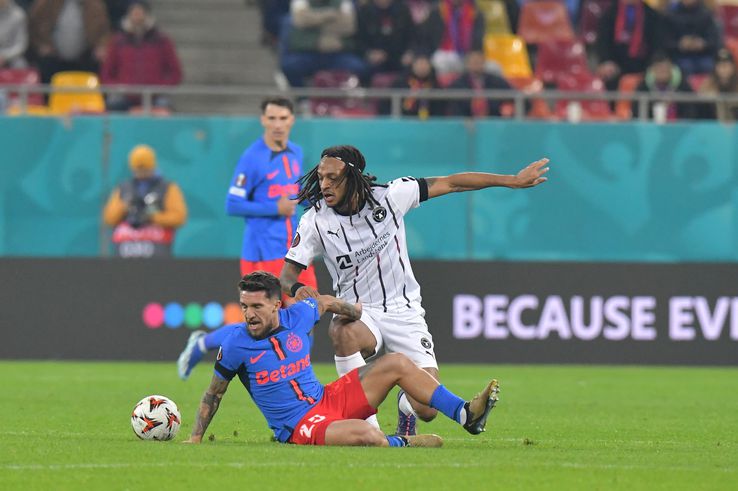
<point x="358" y="227"/>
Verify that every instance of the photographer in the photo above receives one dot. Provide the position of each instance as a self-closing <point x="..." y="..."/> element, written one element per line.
<point x="146" y="210"/>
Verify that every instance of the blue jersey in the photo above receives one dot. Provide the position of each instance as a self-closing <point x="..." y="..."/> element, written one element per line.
<point x="262" y="176"/>
<point x="276" y="370"/>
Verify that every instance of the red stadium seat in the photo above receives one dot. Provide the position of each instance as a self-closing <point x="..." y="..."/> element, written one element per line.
<point x="544" y="20"/>
<point x="696" y="80"/>
<point x="591" y="12"/>
<point x="335" y="107"/>
<point x="729" y="18"/>
<point x="732" y="45"/>
<point x="627" y="85"/>
<point x="561" y="58"/>
<point x="446" y="79"/>
<point x="592" y="110"/>
<point x="539" y="108"/>
<point x="384" y="80"/>
<point x="21" y="76"/>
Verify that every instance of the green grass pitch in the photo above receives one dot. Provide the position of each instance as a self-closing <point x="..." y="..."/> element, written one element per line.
<point x="66" y="426"/>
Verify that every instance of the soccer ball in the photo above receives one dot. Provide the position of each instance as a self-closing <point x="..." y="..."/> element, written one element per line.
<point x="155" y="418"/>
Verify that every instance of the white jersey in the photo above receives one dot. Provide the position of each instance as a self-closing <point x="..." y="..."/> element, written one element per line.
<point x="366" y="253"/>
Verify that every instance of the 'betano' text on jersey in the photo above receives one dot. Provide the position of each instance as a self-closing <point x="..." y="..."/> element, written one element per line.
<point x="366" y="253"/>
<point x="276" y="371"/>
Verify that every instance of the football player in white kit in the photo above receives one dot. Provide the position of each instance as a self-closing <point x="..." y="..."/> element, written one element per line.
<point x="358" y="227"/>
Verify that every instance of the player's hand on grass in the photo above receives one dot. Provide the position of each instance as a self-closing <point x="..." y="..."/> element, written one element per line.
<point x="532" y="175"/>
<point x="306" y="292"/>
<point x="286" y="206"/>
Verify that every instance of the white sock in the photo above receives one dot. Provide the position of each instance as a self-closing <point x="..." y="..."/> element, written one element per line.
<point x="404" y="405"/>
<point x="344" y="364"/>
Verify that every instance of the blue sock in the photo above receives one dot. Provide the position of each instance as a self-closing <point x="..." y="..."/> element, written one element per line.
<point x="396" y="441"/>
<point x="214" y="339"/>
<point x="448" y="403"/>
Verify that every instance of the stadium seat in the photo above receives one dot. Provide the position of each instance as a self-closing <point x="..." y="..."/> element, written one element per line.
<point x="592" y="110"/>
<point x="335" y="107"/>
<point x="495" y="16"/>
<point x="446" y="79"/>
<point x="696" y="80"/>
<point x="539" y="108"/>
<point x="544" y="20"/>
<point x="729" y="18"/>
<point x="732" y="45"/>
<point x="561" y="58"/>
<point x="591" y="12"/>
<point x="22" y="76"/>
<point x="510" y="52"/>
<point x="383" y="80"/>
<point x="627" y="85"/>
<point x="61" y="103"/>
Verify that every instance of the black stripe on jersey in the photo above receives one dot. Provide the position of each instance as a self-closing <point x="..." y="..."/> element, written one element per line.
<point x="423" y="185"/>
<point x="394" y="217"/>
<point x="381" y="282"/>
<point x="291" y="261"/>
<point x="356" y="292"/>
<point x="320" y="236"/>
<point x="277" y="348"/>
<point x="402" y="263"/>
<point x="298" y="392"/>
<point x="370" y="226"/>
<point x="227" y="374"/>
<point x="345" y="239"/>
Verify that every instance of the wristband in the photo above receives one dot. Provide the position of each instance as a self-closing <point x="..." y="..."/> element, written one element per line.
<point x="296" y="287"/>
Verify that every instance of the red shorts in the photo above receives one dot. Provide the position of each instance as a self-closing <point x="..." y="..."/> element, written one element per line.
<point x="342" y="399"/>
<point x="275" y="267"/>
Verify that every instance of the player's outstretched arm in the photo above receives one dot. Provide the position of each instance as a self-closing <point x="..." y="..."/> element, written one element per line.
<point x="208" y="407"/>
<point x="328" y="303"/>
<point x="529" y="176"/>
<point x="292" y="287"/>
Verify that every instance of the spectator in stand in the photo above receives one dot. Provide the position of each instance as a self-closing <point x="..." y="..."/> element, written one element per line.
<point x="453" y="28"/>
<point x="273" y="13"/>
<point x="691" y="36"/>
<point x="722" y="81"/>
<point x="68" y="35"/>
<point x="13" y="35"/>
<point x="321" y="38"/>
<point x="146" y="210"/>
<point x="384" y="34"/>
<point x="140" y="55"/>
<point x="628" y="36"/>
<point x="419" y="76"/>
<point x="476" y="79"/>
<point x="117" y="9"/>
<point x="664" y="77"/>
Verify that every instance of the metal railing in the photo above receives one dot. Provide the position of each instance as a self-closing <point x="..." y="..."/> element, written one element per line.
<point x="518" y="98"/>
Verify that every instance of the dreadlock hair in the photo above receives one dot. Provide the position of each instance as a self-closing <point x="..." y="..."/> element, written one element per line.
<point x="358" y="184"/>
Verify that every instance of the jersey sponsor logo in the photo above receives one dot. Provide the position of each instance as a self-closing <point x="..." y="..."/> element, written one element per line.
<point x="379" y="214"/>
<point x="220" y="354"/>
<point x="276" y="190"/>
<point x="256" y="358"/>
<point x="294" y="343"/>
<point x="344" y="262"/>
<point x="296" y="240"/>
<point x="285" y="370"/>
<point x="241" y="180"/>
<point x="307" y="431"/>
<point x="272" y="175"/>
<point x="337" y="233"/>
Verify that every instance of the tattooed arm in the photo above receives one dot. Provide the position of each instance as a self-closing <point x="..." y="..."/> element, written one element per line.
<point x="208" y="406"/>
<point x="529" y="176"/>
<point x="288" y="280"/>
<point x="327" y="303"/>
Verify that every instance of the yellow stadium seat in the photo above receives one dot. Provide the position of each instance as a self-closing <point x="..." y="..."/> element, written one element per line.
<point x="510" y="52"/>
<point x="76" y="102"/>
<point x="495" y="16"/>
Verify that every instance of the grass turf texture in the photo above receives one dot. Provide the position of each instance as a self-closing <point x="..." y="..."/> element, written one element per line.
<point x="66" y="426"/>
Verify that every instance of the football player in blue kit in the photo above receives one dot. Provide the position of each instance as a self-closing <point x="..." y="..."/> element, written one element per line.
<point x="270" y="354"/>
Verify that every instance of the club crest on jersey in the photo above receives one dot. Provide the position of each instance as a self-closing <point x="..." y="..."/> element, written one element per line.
<point x="294" y="343"/>
<point x="379" y="214"/>
<point x="425" y="342"/>
<point x="296" y="240"/>
<point x="241" y="180"/>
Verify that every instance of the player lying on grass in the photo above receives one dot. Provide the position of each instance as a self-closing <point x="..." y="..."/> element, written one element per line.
<point x="270" y="353"/>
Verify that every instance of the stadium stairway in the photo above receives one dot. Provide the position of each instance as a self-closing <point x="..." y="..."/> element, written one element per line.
<point x="218" y="42"/>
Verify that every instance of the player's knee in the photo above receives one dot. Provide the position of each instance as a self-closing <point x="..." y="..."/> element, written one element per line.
<point x="365" y="435"/>
<point x="399" y="363"/>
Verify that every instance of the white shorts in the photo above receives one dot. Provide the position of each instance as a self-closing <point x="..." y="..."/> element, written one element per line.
<point x="401" y="332"/>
